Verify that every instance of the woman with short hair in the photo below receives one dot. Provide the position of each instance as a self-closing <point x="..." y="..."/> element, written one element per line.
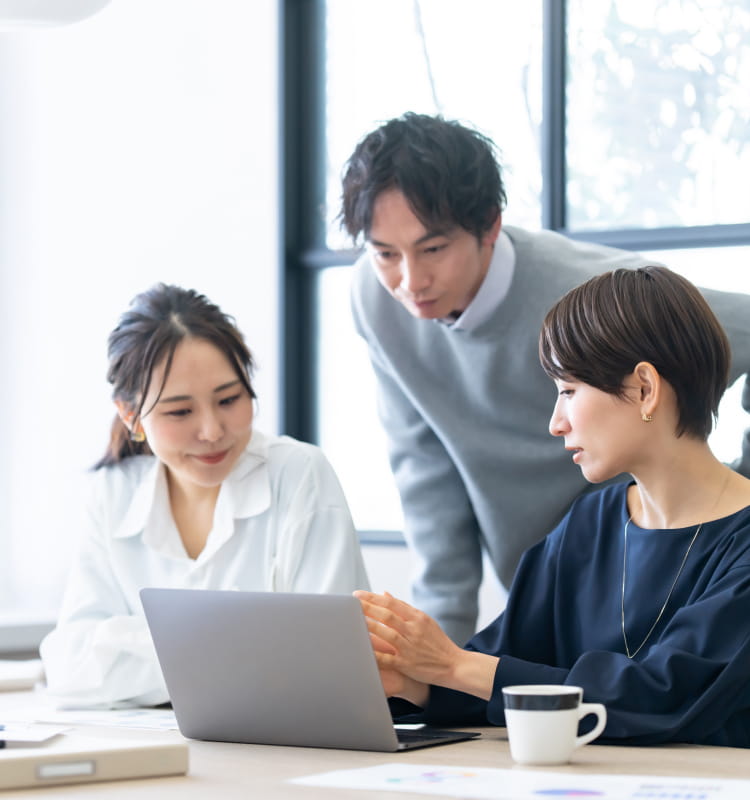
<point x="641" y="594"/>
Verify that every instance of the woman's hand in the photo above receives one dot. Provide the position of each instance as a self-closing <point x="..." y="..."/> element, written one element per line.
<point x="395" y="683"/>
<point x="408" y="640"/>
<point x="411" y="648"/>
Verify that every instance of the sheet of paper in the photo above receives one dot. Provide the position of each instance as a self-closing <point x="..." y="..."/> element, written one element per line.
<point x="162" y="719"/>
<point x="28" y="733"/>
<point x="506" y="784"/>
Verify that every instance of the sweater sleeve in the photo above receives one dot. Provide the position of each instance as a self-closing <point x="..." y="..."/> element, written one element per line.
<point x="689" y="687"/>
<point x="439" y="523"/>
<point x="690" y="684"/>
<point x="526" y="626"/>
<point x="733" y="311"/>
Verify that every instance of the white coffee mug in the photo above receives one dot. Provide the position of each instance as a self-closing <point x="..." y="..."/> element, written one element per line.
<point x="542" y="722"/>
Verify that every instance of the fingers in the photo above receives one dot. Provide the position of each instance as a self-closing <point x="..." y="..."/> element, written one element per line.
<point x="386" y="601"/>
<point x="382" y="615"/>
<point x="379" y="645"/>
<point x="383" y="638"/>
<point x="382" y="612"/>
<point x="384" y="661"/>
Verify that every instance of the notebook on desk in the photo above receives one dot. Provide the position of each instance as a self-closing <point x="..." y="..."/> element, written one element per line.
<point x="275" y="668"/>
<point x="84" y="758"/>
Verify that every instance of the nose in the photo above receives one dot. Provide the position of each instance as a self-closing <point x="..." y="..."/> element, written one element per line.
<point x="558" y="423"/>
<point x="210" y="428"/>
<point x="414" y="277"/>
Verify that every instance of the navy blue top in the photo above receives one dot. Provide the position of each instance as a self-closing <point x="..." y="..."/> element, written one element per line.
<point x="562" y="624"/>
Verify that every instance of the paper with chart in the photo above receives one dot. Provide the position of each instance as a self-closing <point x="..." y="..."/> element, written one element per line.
<point x="511" y="784"/>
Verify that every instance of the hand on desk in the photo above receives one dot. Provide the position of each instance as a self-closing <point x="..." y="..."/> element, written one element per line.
<point x="412" y="652"/>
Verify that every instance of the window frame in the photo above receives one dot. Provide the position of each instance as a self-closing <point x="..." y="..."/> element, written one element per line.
<point x="303" y="176"/>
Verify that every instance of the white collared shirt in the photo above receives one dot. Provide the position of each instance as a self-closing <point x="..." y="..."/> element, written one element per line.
<point x="493" y="289"/>
<point x="281" y="523"/>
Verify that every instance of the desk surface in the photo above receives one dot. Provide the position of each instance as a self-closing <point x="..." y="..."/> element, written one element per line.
<point x="220" y="771"/>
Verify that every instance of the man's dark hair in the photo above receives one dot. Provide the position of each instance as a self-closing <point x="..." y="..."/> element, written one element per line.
<point x="599" y="331"/>
<point x="448" y="173"/>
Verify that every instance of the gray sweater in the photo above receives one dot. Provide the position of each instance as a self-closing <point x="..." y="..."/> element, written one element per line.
<point x="466" y="416"/>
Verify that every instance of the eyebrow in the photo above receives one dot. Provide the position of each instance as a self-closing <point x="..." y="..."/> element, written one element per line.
<point x="181" y="398"/>
<point x="422" y="239"/>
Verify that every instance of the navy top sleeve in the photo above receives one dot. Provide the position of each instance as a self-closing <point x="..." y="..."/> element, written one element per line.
<point x="690" y="682"/>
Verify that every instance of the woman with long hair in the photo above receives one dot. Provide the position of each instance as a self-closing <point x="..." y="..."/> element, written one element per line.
<point x="188" y="494"/>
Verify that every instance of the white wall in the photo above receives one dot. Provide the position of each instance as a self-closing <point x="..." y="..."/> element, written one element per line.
<point x="138" y="146"/>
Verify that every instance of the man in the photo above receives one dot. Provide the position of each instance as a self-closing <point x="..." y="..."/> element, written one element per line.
<point x="450" y="303"/>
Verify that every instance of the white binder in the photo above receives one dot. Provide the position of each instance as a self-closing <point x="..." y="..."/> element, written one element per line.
<point x="83" y="758"/>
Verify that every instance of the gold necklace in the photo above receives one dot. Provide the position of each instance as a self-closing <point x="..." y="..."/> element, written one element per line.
<point x="671" y="589"/>
<point x="676" y="577"/>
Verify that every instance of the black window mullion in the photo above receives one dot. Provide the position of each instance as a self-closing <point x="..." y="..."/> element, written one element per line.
<point x="302" y="127"/>
<point x="553" y="132"/>
<point x="669" y="238"/>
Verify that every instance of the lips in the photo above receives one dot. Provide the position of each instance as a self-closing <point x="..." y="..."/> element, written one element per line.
<point x="577" y="452"/>
<point x="212" y="458"/>
<point x="416" y="302"/>
<point x="425" y="306"/>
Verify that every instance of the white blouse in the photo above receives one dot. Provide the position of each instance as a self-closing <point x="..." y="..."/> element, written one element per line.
<point x="281" y="524"/>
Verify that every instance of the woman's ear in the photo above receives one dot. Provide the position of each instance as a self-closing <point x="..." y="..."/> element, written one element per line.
<point x="127" y="415"/>
<point x="125" y="412"/>
<point x="648" y="383"/>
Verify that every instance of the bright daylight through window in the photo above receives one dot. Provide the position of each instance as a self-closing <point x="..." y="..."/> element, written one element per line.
<point x="657" y="114"/>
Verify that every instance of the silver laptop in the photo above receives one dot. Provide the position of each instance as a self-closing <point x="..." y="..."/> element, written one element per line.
<point x="275" y="668"/>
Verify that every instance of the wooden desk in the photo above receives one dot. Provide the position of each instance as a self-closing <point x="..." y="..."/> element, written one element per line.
<point x="220" y="771"/>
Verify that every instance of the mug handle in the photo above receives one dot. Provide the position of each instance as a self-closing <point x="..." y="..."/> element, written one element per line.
<point x="584" y="709"/>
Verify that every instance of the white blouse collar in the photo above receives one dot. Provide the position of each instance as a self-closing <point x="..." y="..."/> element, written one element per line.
<point x="246" y="492"/>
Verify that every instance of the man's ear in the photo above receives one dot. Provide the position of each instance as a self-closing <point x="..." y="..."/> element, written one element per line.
<point x="648" y="382"/>
<point x="489" y="237"/>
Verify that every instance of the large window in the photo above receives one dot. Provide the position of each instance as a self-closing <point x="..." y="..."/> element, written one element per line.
<point x="658" y="113"/>
<point x="430" y="58"/>
<point x="463" y="61"/>
<point x="621" y="121"/>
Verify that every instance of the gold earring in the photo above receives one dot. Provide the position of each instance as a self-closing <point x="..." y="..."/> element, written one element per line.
<point x="647" y="417"/>
<point x="137" y="436"/>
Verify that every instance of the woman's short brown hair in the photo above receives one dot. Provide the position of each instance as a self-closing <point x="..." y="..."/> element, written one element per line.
<point x="599" y="331"/>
